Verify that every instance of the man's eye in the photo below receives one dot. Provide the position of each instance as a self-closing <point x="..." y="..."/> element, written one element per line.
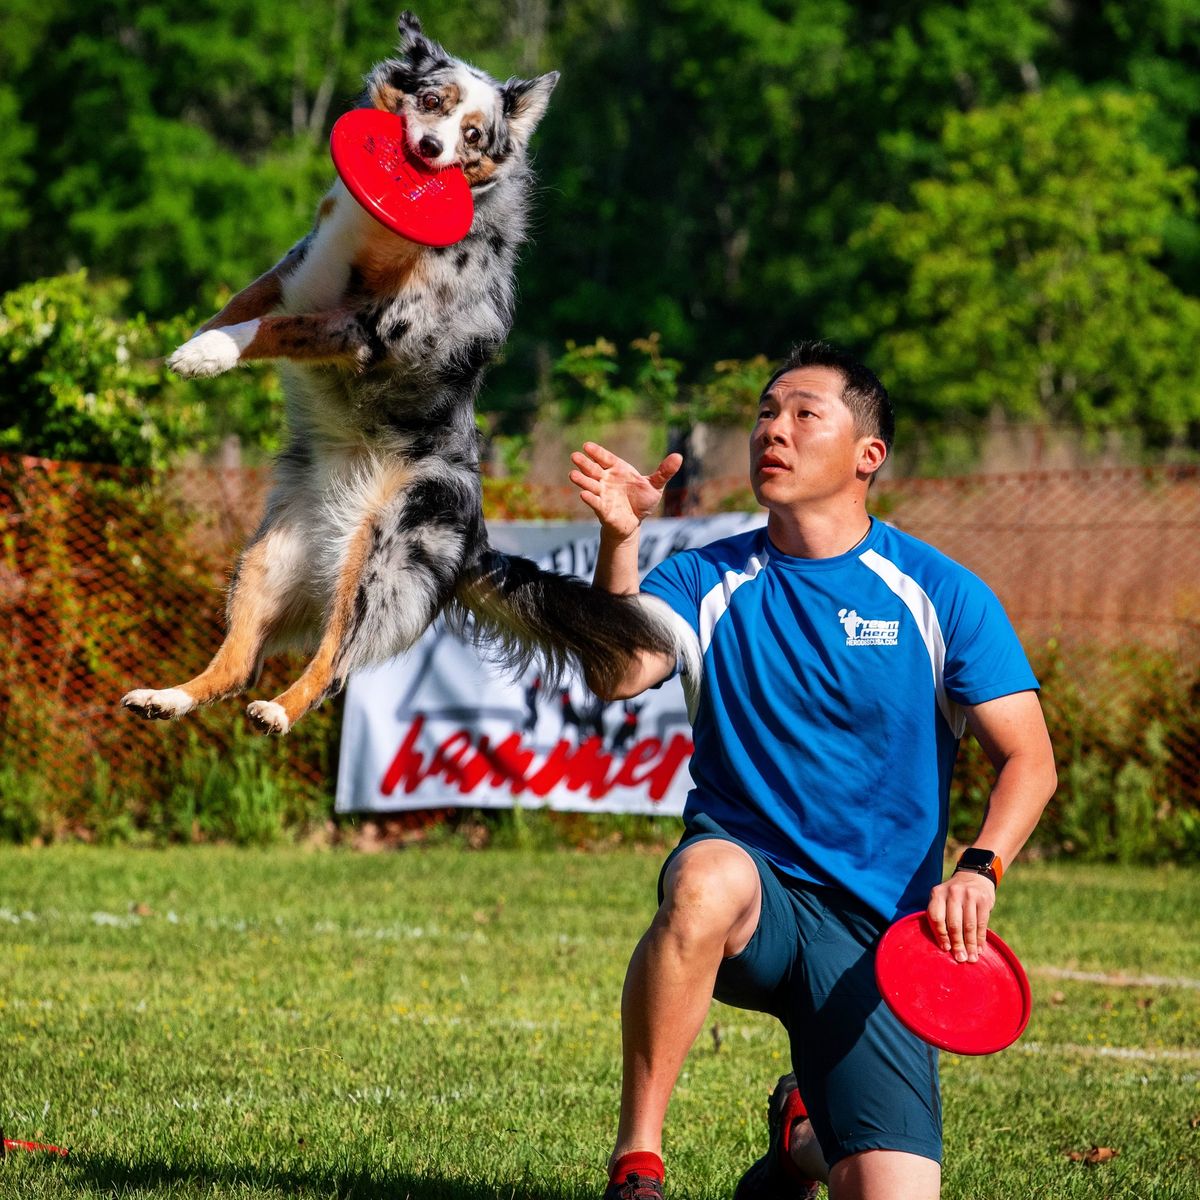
<point x="471" y="135"/>
<point x="430" y="102"/>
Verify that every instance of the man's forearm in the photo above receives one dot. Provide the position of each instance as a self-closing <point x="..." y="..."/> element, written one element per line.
<point x="617" y="563"/>
<point x="960" y="907"/>
<point x="617" y="572"/>
<point x="1024" y="785"/>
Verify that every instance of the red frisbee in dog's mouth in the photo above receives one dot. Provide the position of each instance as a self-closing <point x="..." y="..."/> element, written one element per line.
<point x="432" y="207"/>
<point x="968" y="1008"/>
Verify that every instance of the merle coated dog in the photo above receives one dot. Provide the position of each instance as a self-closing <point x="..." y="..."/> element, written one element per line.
<point x="374" y="525"/>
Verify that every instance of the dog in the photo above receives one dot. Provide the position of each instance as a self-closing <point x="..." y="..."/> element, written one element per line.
<point x="374" y="523"/>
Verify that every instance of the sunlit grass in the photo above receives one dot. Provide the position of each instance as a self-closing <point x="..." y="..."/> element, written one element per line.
<point x="435" y="1023"/>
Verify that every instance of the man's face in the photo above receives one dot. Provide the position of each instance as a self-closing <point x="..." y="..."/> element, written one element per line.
<point x="804" y="445"/>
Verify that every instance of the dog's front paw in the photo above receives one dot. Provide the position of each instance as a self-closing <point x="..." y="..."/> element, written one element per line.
<point x="268" y="717"/>
<point x="164" y="704"/>
<point x="213" y="352"/>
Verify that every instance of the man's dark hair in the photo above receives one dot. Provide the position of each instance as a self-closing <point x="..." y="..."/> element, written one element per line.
<point x="862" y="393"/>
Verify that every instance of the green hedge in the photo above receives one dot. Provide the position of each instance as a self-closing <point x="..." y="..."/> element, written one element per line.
<point x="1127" y="766"/>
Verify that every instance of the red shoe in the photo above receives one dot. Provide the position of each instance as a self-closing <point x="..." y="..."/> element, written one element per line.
<point x="639" y="1177"/>
<point x="635" y="1187"/>
<point x="774" y="1176"/>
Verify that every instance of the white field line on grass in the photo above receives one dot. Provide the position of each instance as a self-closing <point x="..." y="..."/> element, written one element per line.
<point x="1116" y="979"/>
<point x="432" y="931"/>
<point x="749" y="1033"/>
<point x="278" y="926"/>
<point x="1128" y="1053"/>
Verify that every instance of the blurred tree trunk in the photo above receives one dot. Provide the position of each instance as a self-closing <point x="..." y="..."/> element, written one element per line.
<point x="308" y="120"/>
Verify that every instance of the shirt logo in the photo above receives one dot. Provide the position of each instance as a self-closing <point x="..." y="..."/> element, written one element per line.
<point x="862" y="632"/>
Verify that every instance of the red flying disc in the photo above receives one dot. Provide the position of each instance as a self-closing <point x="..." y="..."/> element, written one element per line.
<point x="424" y="205"/>
<point x="7" y="1144"/>
<point x="967" y="1008"/>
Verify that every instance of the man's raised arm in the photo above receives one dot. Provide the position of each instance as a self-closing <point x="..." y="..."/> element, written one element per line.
<point x="622" y="498"/>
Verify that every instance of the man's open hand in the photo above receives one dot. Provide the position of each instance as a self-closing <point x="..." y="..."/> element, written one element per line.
<point x="959" y="910"/>
<point x="617" y="492"/>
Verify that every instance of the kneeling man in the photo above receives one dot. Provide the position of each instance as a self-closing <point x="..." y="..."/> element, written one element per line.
<point x="831" y="665"/>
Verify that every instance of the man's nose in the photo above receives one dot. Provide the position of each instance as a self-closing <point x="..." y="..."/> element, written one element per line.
<point x="429" y="146"/>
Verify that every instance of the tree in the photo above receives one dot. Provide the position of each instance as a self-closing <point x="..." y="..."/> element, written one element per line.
<point x="1025" y="274"/>
<point x="705" y="165"/>
<point x="183" y="145"/>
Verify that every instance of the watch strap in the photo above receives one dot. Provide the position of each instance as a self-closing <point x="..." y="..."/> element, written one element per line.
<point x="993" y="871"/>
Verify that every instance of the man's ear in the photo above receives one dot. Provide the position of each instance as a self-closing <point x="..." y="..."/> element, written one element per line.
<point x="873" y="456"/>
<point x="525" y="103"/>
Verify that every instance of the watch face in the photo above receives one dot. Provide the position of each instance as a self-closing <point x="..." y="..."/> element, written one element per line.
<point x="979" y="860"/>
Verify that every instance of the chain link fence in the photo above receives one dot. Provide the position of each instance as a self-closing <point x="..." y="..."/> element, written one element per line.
<point x="112" y="579"/>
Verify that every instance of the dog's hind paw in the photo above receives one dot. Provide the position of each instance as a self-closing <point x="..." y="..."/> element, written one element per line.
<point x="213" y="352"/>
<point x="268" y="717"/>
<point x="164" y="704"/>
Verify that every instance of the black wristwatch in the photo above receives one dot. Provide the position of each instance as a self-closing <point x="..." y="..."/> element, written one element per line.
<point x="981" y="862"/>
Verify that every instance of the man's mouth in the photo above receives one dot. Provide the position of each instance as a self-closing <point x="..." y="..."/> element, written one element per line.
<point x="770" y="465"/>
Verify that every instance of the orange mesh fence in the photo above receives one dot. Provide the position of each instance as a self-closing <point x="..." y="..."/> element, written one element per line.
<point x="1100" y="572"/>
<point x="111" y="579"/>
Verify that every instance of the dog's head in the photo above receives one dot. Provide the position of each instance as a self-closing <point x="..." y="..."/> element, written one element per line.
<point x="453" y="112"/>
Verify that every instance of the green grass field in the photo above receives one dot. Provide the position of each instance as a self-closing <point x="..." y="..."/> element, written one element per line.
<point x="440" y="1023"/>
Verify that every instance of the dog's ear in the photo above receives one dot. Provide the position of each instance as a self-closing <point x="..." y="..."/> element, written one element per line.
<point x="409" y="27"/>
<point x="393" y="78"/>
<point x="525" y="103"/>
<point x="387" y="83"/>
<point x="413" y="44"/>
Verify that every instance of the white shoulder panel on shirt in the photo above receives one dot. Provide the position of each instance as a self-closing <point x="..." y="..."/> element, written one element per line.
<point x="921" y="606"/>
<point x="716" y="602"/>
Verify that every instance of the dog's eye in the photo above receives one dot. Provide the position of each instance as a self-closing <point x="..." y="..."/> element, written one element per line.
<point x="471" y="135"/>
<point x="431" y="102"/>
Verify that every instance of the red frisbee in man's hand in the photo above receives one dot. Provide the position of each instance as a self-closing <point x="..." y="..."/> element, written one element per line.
<point x="412" y="199"/>
<point x="967" y="1008"/>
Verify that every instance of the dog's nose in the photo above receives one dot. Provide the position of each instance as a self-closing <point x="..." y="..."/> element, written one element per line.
<point x="429" y="146"/>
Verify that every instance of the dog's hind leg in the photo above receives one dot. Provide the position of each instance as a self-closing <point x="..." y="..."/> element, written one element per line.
<point x="267" y="595"/>
<point x="398" y="570"/>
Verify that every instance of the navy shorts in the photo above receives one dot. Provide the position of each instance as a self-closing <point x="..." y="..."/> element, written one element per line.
<point x="868" y="1083"/>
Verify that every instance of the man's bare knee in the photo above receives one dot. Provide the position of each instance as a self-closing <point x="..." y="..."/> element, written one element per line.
<point x="711" y="894"/>
<point x="885" y="1175"/>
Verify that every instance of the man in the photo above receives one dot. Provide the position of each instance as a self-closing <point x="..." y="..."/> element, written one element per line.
<point x="831" y="665"/>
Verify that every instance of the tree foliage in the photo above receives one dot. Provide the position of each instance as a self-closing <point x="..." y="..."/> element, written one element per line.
<point x="80" y="382"/>
<point x="709" y="169"/>
<point x="1027" y="277"/>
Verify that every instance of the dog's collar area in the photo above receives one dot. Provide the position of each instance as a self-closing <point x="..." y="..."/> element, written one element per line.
<point x="484" y="187"/>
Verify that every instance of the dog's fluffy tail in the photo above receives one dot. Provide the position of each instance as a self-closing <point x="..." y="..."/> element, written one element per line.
<point x="524" y="614"/>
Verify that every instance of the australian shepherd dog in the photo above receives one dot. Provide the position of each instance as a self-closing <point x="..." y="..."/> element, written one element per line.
<point x="374" y="523"/>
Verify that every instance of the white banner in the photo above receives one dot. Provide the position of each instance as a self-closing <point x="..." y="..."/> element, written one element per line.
<point x="440" y="728"/>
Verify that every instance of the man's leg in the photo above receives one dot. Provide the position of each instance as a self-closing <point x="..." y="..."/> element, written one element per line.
<point x="806" y="1152"/>
<point x="885" y="1175"/>
<point x="869" y="1175"/>
<point x="871" y="1086"/>
<point x="710" y="909"/>
<point x="793" y="1164"/>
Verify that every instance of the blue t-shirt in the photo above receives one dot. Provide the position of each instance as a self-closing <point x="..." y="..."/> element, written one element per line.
<point x="825" y="697"/>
